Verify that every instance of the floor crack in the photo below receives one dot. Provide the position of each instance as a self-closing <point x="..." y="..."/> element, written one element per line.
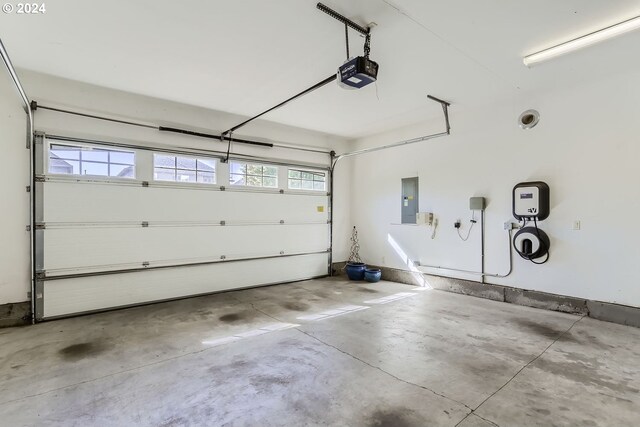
<point x="381" y="370"/>
<point x="476" y="415"/>
<point x="517" y="373"/>
<point x="266" y="314"/>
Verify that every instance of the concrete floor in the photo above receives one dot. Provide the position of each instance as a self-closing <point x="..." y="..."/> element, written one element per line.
<point x="322" y="352"/>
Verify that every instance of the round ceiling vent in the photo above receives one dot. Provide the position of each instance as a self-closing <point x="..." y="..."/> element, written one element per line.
<point x="528" y="119"/>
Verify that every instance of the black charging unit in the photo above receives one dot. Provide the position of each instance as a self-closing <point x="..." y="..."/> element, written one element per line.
<point x="531" y="203"/>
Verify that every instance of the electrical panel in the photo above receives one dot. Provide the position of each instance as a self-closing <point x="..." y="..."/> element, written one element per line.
<point x="531" y="201"/>
<point x="410" y="204"/>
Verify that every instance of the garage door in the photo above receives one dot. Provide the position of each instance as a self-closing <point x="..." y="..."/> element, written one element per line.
<point x="120" y="224"/>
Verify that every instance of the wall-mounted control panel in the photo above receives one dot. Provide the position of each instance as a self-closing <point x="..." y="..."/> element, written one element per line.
<point x="477" y="203"/>
<point x="424" y="218"/>
<point x="531" y="201"/>
<point x="409" y="207"/>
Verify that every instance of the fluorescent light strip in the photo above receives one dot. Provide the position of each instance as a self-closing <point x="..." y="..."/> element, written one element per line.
<point x="584" y="41"/>
<point x="390" y="298"/>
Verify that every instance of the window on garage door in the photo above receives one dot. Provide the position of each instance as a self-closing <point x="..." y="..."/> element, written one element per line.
<point x="66" y="159"/>
<point x="253" y="175"/>
<point x="307" y="180"/>
<point x="184" y="169"/>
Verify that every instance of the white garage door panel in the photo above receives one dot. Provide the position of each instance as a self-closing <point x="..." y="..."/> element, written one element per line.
<point x="68" y="296"/>
<point x="96" y="247"/>
<point x="93" y="202"/>
<point x="92" y="229"/>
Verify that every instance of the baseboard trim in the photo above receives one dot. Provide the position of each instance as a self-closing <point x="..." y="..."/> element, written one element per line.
<point x="609" y="312"/>
<point x="15" y="314"/>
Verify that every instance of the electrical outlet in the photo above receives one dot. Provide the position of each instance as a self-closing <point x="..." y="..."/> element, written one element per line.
<point x="457" y="224"/>
<point x="508" y="225"/>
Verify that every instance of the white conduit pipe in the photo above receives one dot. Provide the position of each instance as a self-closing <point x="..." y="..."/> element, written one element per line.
<point x="477" y="273"/>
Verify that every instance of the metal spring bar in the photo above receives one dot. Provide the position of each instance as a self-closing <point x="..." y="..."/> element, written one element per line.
<point x="445" y="109"/>
<point x="298" y="95"/>
<point x="36" y="106"/>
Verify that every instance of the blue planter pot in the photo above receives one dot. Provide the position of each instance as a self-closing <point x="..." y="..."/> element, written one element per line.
<point x="355" y="270"/>
<point x="372" y="275"/>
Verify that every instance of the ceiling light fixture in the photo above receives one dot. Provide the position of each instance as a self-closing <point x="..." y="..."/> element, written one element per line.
<point x="583" y="41"/>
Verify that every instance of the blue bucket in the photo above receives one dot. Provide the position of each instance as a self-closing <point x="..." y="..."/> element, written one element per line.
<point x="355" y="270"/>
<point x="372" y="275"/>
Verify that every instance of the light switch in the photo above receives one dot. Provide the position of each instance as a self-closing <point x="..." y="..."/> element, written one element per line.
<point x="576" y="224"/>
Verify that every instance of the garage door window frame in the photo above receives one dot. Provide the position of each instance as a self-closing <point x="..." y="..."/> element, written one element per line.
<point x="306" y="176"/>
<point x="250" y="178"/>
<point x="87" y="148"/>
<point x="177" y="168"/>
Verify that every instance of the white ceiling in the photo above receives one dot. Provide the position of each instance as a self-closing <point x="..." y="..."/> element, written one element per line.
<point x="245" y="56"/>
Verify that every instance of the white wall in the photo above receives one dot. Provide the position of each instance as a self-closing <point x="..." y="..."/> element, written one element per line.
<point x="53" y="91"/>
<point x="342" y="220"/>
<point x="586" y="147"/>
<point x="14" y="200"/>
